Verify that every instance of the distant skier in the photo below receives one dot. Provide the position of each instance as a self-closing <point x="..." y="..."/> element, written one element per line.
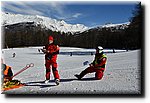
<point x="14" y="55"/>
<point x="70" y="53"/>
<point x="114" y="51"/>
<point x="97" y="66"/>
<point x="51" y="50"/>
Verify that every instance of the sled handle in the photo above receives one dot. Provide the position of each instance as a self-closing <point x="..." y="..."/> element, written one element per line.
<point x="30" y="65"/>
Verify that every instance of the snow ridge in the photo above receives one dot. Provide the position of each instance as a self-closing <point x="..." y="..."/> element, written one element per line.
<point x="45" y="22"/>
<point x="110" y="25"/>
<point x="53" y="24"/>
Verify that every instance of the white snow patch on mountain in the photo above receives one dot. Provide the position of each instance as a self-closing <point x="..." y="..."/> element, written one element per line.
<point x="45" y="22"/>
<point x="114" y="25"/>
<point x="110" y="25"/>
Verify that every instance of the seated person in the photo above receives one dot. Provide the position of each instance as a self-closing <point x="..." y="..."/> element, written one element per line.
<point x="6" y="72"/>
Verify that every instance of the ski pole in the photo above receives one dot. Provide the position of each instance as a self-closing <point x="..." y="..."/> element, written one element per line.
<point x="26" y="67"/>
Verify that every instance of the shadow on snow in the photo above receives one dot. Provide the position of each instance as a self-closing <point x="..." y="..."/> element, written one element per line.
<point x="43" y="85"/>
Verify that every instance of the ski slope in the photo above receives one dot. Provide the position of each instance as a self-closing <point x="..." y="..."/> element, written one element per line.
<point x="122" y="75"/>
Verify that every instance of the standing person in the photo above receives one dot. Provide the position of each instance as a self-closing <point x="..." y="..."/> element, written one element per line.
<point x="97" y="66"/>
<point x="51" y="50"/>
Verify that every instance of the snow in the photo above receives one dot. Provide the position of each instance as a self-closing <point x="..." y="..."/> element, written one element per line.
<point x="114" y="25"/>
<point x="110" y="25"/>
<point x="45" y="22"/>
<point x="53" y="24"/>
<point x="122" y="75"/>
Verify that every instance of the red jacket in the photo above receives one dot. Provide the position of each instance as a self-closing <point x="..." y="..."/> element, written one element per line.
<point x="51" y="52"/>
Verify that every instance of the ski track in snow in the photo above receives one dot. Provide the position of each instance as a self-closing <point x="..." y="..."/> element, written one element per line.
<point x="122" y="75"/>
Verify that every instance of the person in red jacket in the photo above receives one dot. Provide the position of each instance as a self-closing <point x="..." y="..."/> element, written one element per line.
<point x="97" y="66"/>
<point x="51" y="50"/>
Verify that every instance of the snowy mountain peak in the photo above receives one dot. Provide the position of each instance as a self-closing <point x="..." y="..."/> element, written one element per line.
<point x="45" y="22"/>
<point x="114" y="25"/>
<point x="110" y="25"/>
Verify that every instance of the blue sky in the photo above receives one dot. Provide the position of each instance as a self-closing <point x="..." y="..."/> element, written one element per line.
<point x="87" y="13"/>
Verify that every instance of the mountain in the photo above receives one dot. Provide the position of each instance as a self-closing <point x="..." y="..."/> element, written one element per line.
<point x="44" y="22"/>
<point x="113" y="27"/>
<point x="53" y="24"/>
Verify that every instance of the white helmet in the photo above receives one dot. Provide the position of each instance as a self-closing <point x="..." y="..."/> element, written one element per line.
<point x="100" y="49"/>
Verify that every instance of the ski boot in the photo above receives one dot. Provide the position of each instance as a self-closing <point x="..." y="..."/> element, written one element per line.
<point x="78" y="76"/>
<point x="46" y="81"/>
<point x="57" y="81"/>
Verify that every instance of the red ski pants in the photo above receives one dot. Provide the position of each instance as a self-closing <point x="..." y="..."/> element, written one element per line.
<point x="98" y="72"/>
<point x="51" y="65"/>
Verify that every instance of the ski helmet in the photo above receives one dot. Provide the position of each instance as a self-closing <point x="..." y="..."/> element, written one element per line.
<point x="50" y="38"/>
<point x="99" y="49"/>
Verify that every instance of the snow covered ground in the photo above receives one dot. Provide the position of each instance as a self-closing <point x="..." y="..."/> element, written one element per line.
<point x="122" y="75"/>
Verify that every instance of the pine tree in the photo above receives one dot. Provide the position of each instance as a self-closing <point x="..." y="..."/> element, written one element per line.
<point x="135" y="31"/>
